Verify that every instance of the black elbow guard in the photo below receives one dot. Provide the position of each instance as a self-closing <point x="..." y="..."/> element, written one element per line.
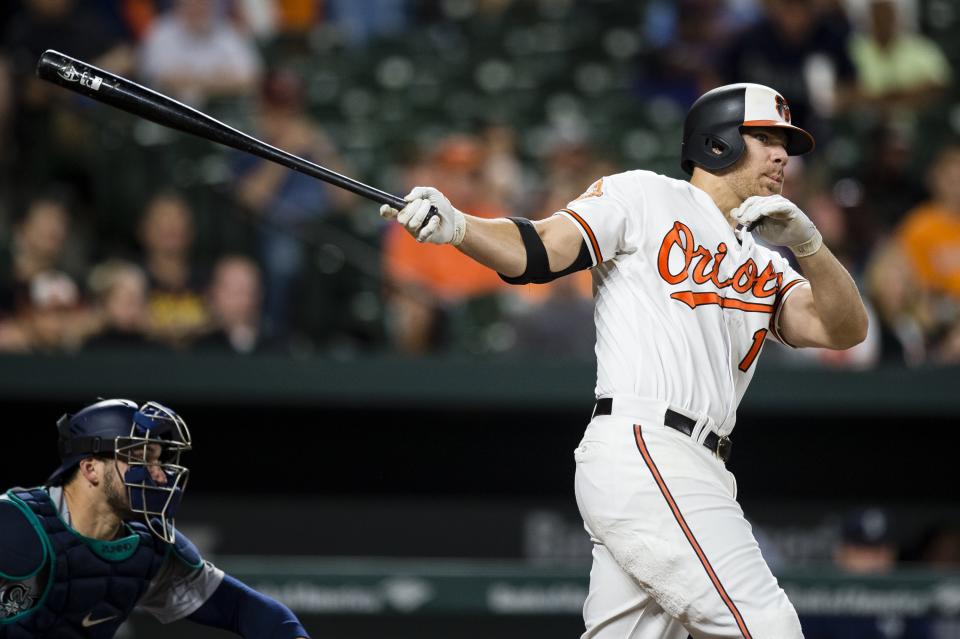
<point x="538" y="264"/>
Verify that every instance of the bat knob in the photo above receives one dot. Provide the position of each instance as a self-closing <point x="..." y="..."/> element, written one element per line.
<point x="432" y="214"/>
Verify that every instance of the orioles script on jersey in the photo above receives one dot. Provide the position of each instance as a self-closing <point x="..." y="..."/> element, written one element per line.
<point x="702" y="266"/>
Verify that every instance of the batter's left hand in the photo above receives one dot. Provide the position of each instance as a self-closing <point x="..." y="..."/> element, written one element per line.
<point x="447" y="227"/>
<point x="780" y="222"/>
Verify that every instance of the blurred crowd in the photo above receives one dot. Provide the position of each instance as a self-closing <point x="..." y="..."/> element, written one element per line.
<point x="869" y="542"/>
<point x="118" y="234"/>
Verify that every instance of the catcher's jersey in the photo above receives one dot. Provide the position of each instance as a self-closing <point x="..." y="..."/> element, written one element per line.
<point x="683" y="301"/>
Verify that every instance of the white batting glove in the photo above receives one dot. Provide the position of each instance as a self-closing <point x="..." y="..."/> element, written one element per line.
<point x="448" y="227"/>
<point x="780" y="222"/>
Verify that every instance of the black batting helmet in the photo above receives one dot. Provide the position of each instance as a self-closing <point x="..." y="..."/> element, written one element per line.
<point x="711" y="131"/>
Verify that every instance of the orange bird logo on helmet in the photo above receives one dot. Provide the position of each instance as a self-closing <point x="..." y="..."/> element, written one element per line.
<point x="783" y="108"/>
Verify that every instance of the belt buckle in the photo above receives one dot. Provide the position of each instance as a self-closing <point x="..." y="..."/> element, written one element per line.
<point x="724" y="446"/>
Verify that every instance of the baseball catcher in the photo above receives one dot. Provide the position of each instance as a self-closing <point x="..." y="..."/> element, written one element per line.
<point x="78" y="554"/>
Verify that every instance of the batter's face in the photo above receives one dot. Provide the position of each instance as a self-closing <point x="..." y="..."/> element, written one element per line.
<point x="760" y="170"/>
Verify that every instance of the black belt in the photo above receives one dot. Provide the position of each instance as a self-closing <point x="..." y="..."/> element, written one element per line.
<point x="720" y="446"/>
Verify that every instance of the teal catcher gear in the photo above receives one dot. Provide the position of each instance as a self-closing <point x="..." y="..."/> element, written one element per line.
<point x="85" y="588"/>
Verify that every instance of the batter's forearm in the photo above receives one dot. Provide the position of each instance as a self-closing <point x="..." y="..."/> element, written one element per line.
<point x="496" y="244"/>
<point x="499" y="244"/>
<point x="518" y="249"/>
<point x="836" y="298"/>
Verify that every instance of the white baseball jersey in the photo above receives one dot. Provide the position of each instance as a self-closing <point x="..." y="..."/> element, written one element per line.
<point x="683" y="301"/>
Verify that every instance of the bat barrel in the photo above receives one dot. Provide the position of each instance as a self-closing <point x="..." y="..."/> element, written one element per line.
<point x="103" y="86"/>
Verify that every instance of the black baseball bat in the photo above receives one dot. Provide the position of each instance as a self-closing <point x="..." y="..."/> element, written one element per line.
<point x="126" y="95"/>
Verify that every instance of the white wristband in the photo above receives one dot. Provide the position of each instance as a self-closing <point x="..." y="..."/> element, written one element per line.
<point x="808" y="248"/>
<point x="459" y="227"/>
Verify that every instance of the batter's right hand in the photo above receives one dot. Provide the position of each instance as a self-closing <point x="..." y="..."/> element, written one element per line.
<point x="446" y="228"/>
<point x="780" y="222"/>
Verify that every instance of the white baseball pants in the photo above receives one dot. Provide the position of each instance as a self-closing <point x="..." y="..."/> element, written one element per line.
<point x="673" y="554"/>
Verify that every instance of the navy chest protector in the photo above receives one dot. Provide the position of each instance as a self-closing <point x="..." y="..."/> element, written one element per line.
<point x="91" y="586"/>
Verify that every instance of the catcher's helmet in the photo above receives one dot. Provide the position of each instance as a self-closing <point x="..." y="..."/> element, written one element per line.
<point x="147" y="438"/>
<point x="711" y="131"/>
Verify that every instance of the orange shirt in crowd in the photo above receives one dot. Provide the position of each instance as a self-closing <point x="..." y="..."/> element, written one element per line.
<point x="930" y="236"/>
<point x="580" y="282"/>
<point x="440" y="269"/>
<point x="297" y="16"/>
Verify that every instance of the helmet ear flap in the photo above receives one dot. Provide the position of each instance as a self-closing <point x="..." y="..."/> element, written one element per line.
<point x="716" y="151"/>
<point x="715" y="147"/>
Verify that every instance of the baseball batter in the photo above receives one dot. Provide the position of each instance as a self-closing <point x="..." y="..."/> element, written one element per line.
<point x="685" y="300"/>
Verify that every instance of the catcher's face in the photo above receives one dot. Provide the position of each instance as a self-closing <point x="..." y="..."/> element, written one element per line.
<point x="759" y="171"/>
<point x="146" y="454"/>
<point x="114" y="490"/>
<point x="114" y="487"/>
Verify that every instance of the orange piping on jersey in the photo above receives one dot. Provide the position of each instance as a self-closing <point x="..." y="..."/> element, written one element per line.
<point x="586" y="227"/>
<point x="776" y="307"/>
<point x="694" y="300"/>
<point x="671" y="502"/>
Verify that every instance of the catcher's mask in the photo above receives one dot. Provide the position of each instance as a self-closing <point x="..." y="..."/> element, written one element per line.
<point x="149" y="439"/>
